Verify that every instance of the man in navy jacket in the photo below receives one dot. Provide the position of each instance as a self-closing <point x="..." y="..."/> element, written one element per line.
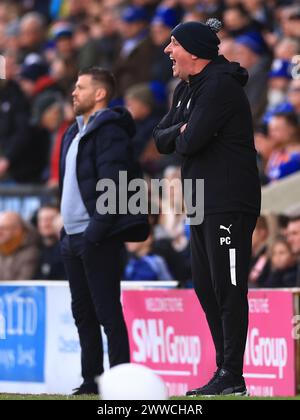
<point x="96" y="147"/>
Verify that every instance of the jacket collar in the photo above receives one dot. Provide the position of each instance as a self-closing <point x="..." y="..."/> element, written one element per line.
<point x="84" y="128"/>
<point x="196" y="78"/>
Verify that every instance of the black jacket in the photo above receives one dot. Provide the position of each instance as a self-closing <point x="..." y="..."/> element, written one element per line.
<point x="282" y="278"/>
<point x="104" y="150"/>
<point x="25" y="146"/>
<point x="218" y="144"/>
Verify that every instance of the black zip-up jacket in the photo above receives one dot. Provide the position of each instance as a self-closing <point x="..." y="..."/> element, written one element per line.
<point x="217" y="144"/>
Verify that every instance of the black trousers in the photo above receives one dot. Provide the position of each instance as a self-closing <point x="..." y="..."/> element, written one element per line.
<point x="94" y="274"/>
<point x="220" y="251"/>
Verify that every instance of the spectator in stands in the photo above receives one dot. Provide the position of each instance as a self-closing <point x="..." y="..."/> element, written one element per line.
<point x="264" y="148"/>
<point x="294" y="96"/>
<point x="103" y="43"/>
<point x="135" y="57"/>
<point x="259" y="265"/>
<point x="64" y="53"/>
<point x="279" y="79"/>
<point x="140" y="102"/>
<point x="47" y="119"/>
<point x="143" y="264"/>
<point x="14" y="128"/>
<point x="260" y="13"/>
<point x="278" y="87"/>
<point x="19" y="248"/>
<point x="32" y="34"/>
<point x="283" y="265"/>
<point x="171" y="241"/>
<point x="286" y="49"/>
<point x="227" y="48"/>
<point x="293" y="237"/>
<point x="30" y="164"/>
<point x="35" y="78"/>
<point x="237" y="21"/>
<point x="161" y="25"/>
<point x="251" y="53"/>
<point x="283" y="130"/>
<point x="291" y="22"/>
<point x="55" y="152"/>
<point x="172" y="218"/>
<point x="62" y="32"/>
<point x="50" y="266"/>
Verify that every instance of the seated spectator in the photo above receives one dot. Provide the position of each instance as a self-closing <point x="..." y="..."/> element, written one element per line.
<point x="50" y="266"/>
<point x="31" y="163"/>
<point x="259" y="266"/>
<point x="293" y="95"/>
<point x="143" y="264"/>
<point x="282" y="222"/>
<point x="14" y="129"/>
<point x="68" y="115"/>
<point x="238" y="21"/>
<point x="260" y="12"/>
<point x="64" y="56"/>
<point x="293" y="237"/>
<point x="278" y="88"/>
<point x="170" y="231"/>
<point x="283" y="265"/>
<point x="98" y="41"/>
<point x="47" y="120"/>
<point x="264" y="148"/>
<point x="178" y="260"/>
<point x="278" y="83"/>
<point x="172" y="217"/>
<point x="35" y="77"/>
<point x="286" y="48"/>
<point x="140" y="101"/>
<point x="251" y="53"/>
<point x="164" y="20"/>
<point x="19" y="248"/>
<point x="291" y="22"/>
<point x="227" y="48"/>
<point x="283" y="130"/>
<point x="32" y="35"/>
<point x="134" y="62"/>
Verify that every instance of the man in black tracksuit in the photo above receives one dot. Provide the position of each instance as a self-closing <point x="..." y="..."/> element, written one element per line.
<point x="210" y="126"/>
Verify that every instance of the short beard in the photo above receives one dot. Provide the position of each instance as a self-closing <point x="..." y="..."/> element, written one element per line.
<point x="82" y="109"/>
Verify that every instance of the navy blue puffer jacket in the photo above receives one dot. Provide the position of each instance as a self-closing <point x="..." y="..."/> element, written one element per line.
<point x="104" y="150"/>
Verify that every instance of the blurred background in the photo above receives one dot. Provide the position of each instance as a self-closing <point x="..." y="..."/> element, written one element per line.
<point x="46" y="42"/>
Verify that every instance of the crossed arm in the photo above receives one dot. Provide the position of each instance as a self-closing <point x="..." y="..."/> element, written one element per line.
<point x="210" y="112"/>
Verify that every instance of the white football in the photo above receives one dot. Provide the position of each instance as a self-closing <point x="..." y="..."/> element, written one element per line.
<point x="130" y="381"/>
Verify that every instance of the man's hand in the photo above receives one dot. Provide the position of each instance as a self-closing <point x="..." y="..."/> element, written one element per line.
<point x="4" y="165"/>
<point x="183" y="128"/>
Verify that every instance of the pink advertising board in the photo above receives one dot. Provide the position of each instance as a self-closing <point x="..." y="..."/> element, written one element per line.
<point x="269" y="364"/>
<point x="168" y="332"/>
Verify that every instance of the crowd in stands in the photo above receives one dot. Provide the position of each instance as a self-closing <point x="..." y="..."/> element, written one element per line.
<point x="46" y="42"/>
<point x="276" y="252"/>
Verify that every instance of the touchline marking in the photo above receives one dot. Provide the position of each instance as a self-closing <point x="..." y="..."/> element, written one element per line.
<point x="173" y="372"/>
<point x="260" y="375"/>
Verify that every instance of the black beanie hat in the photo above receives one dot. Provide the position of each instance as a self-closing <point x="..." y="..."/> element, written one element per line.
<point x="199" y="39"/>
